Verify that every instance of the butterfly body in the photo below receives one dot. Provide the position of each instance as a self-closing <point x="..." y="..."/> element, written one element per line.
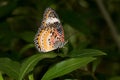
<point x="50" y="35"/>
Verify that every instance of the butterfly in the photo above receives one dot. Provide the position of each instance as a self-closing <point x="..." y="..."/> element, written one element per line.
<point x="50" y="35"/>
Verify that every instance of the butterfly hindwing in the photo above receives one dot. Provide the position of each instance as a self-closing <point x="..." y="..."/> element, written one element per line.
<point x="50" y="35"/>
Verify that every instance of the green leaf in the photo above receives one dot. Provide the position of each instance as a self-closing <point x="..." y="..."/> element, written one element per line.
<point x="66" y="66"/>
<point x="115" y="78"/>
<point x="95" y="64"/>
<point x="27" y="36"/>
<point x="86" y="53"/>
<point x="11" y="68"/>
<point x="1" y="78"/>
<point x="30" y="63"/>
<point x="26" y="48"/>
<point x="31" y="77"/>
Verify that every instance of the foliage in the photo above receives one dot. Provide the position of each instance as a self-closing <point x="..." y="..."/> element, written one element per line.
<point x="89" y="39"/>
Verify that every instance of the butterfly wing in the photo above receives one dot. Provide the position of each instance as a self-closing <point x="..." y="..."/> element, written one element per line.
<point x="50" y="35"/>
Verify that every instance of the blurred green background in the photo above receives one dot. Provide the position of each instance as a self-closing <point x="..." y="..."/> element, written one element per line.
<point x="84" y="25"/>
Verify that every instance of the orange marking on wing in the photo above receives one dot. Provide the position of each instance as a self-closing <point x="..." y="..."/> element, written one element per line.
<point x="44" y="45"/>
<point x="46" y="17"/>
<point x="39" y="39"/>
<point x="48" y="14"/>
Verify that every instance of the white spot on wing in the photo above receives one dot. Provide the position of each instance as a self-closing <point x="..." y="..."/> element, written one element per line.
<point x="52" y="20"/>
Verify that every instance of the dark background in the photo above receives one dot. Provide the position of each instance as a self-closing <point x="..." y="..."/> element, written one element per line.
<point x="85" y="23"/>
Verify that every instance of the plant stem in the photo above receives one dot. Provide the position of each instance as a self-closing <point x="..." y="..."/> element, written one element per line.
<point x="110" y="23"/>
